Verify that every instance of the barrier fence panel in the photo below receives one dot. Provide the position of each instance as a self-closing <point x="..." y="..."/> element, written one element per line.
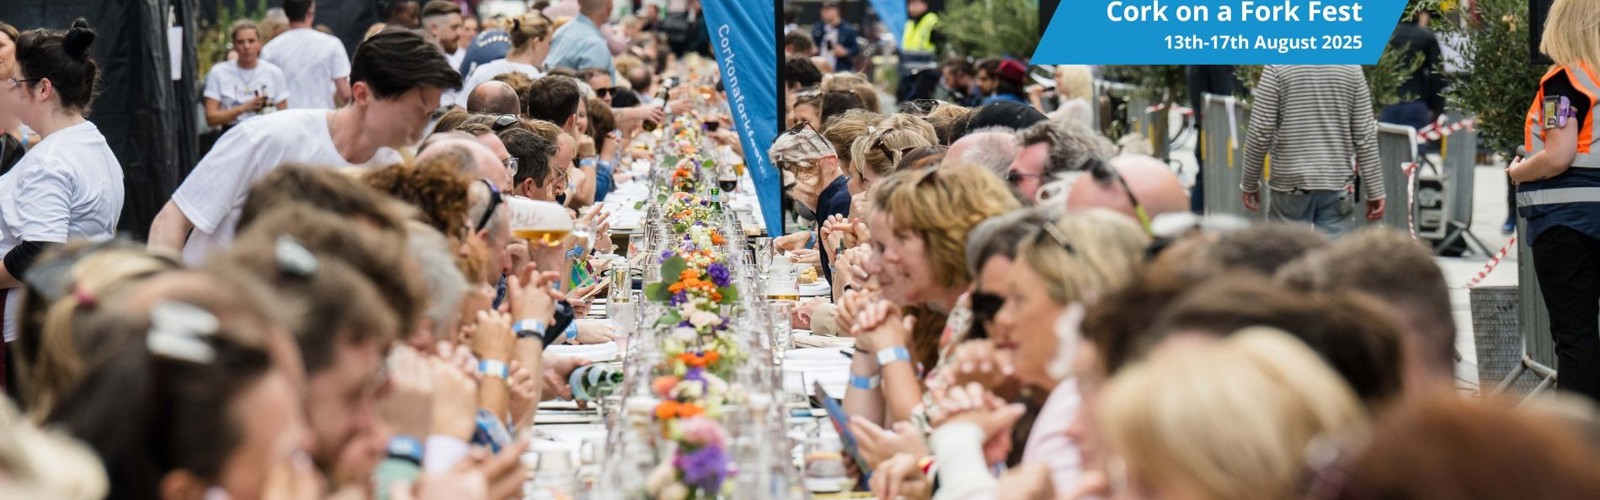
<point x="1223" y="140"/>
<point x="1397" y="147"/>
<point x="1140" y="119"/>
<point x="1533" y="318"/>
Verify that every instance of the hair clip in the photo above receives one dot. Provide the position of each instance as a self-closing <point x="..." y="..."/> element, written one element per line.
<point x="85" y="299"/>
<point x="178" y="330"/>
<point x="294" y="258"/>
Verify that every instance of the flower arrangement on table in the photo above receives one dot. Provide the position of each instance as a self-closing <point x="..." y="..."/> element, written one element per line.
<point x="697" y="354"/>
<point x="686" y="209"/>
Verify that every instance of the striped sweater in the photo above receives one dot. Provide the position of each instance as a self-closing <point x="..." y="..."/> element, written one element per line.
<point x="1313" y="120"/>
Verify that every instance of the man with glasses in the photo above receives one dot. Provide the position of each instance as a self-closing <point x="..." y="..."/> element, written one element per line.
<point x="813" y="177"/>
<point x="1138" y="186"/>
<point x="1049" y="149"/>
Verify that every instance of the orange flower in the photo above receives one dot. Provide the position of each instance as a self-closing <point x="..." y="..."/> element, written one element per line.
<point x="687" y="410"/>
<point x="675" y="288"/>
<point x="716" y="296"/>
<point x="663" y="385"/>
<point x="689" y="274"/>
<point x="712" y="357"/>
<point x="667" y="409"/>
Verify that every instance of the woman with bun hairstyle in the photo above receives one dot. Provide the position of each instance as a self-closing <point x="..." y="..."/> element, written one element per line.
<point x="69" y="185"/>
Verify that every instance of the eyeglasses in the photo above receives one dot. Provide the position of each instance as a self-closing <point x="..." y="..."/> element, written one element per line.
<point x="494" y="203"/>
<point x="1014" y="177"/>
<point x="1104" y="174"/>
<point x="505" y="122"/>
<point x="604" y="92"/>
<point x="513" y="165"/>
<point x="17" y="82"/>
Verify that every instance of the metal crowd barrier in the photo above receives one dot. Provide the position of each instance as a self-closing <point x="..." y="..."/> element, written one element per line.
<point x="1397" y="148"/>
<point x="1222" y="140"/>
<point x="1136" y="115"/>
<point x="1458" y="158"/>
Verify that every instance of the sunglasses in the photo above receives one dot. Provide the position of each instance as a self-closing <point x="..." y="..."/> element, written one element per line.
<point x="1104" y="174"/>
<point x="504" y="122"/>
<point x="494" y="203"/>
<point x="604" y="92"/>
<point x="1055" y="234"/>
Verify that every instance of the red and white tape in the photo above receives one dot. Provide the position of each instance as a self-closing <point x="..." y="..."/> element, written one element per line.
<point x="1411" y="197"/>
<point x="1438" y="130"/>
<point x="1494" y="261"/>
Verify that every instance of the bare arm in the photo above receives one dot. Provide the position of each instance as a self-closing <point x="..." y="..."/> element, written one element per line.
<point x="170" y="229"/>
<point x="341" y="91"/>
<point x="1560" y="148"/>
<point x="7" y="280"/>
<point x="867" y="404"/>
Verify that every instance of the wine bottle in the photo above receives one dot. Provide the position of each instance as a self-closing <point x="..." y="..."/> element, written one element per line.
<point x="594" y="382"/>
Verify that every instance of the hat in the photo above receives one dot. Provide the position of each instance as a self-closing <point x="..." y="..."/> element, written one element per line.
<point x="1008" y="114"/>
<point x="800" y="145"/>
<point x="1011" y="70"/>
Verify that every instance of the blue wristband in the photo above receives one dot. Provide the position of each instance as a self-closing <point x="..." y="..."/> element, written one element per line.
<point x="529" y="328"/>
<point x="864" y="383"/>
<point x="406" y="448"/>
<point x="494" y="368"/>
<point x="572" y="332"/>
<point x="893" y="354"/>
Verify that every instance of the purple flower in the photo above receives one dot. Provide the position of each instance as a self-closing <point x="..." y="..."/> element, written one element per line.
<point x="695" y="373"/>
<point x="704" y="468"/>
<point x="719" y="273"/>
<point x="705" y="203"/>
<point x="678" y="298"/>
<point x="685" y="324"/>
<point x="666" y="254"/>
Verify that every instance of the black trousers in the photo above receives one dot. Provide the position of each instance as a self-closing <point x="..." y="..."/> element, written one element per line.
<point x="1568" y="265"/>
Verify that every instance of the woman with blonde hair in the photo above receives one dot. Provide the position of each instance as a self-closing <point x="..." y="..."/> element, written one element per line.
<point x="1060" y="266"/>
<point x="853" y="83"/>
<point x="919" y="230"/>
<point x="64" y="287"/>
<point x="876" y="154"/>
<point x="1556" y="188"/>
<point x="1226" y="421"/>
<point x="530" y="42"/>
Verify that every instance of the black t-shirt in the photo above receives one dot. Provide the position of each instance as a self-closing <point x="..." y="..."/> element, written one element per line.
<point x="1561" y="85"/>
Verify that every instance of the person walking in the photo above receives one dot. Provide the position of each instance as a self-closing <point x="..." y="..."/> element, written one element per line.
<point x="1313" y="121"/>
<point x="314" y="63"/>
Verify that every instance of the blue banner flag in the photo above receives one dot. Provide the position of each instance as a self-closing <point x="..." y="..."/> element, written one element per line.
<point x="893" y="15"/>
<point x="744" y="42"/>
<point x="1219" y="32"/>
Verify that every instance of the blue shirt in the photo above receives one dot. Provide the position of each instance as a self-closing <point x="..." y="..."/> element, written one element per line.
<point x="835" y="200"/>
<point x="603" y="180"/>
<point x="1004" y="98"/>
<point x="579" y="45"/>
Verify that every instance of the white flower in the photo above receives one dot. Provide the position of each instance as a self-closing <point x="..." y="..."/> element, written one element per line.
<point x="689" y="389"/>
<point x="675" y="491"/>
<point x="660" y="478"/>
<point x="702" y="319"/>
<point x="683" y="334"/>
<point x="715" y="384"/>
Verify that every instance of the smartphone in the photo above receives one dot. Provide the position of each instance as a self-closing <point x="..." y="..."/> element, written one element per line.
<point x="711" y="126"/>
<point x="841" y="423"/>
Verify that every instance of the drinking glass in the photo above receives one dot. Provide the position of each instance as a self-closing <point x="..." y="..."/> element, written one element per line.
<point x="539" y="222"/>
<point x="762" y="248"/>
<point x="782" y="330"/>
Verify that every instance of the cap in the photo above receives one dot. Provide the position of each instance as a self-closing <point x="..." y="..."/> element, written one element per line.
<point x="796" y="146"/>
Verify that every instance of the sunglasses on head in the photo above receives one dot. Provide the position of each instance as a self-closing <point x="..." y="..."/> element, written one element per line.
<point x="1105" y="174"/>
<point x="504" y="122"/>
<point x="494" y="202"/>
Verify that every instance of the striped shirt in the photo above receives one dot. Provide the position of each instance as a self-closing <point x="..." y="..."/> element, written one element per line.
<point x="1313" y="120"/>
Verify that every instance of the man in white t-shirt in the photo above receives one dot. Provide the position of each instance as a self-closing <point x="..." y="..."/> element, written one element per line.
<point x="398" y="77"/>
<point x="314" y="63"/>
<point x="441" y="21"/>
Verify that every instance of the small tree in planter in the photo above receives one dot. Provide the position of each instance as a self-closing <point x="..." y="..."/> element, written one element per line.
<point x="1161" y="85"/>
<point x="1503" y="80"/>
<point x="986" y="28"/>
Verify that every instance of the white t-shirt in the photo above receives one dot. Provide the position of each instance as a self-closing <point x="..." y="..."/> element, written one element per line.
<point x="459" y="55"/>
<point x="311" y="61"/>
<point x="69" y="185"/>
<point x="487" y="71"/>
<point x="231" y="85"/>
<point x="213" y="195"/>
<point x="448" y="97"/>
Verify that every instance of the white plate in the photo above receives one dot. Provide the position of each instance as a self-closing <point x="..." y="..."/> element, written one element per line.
<point x="557" y="418"/>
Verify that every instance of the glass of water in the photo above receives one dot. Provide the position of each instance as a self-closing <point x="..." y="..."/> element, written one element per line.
<point x="782" y="330"/>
